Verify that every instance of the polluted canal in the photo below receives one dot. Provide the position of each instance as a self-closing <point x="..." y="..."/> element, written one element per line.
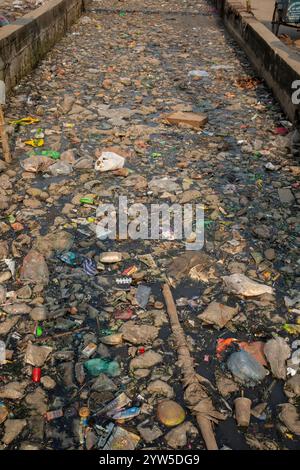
<point x="114" y="343"/>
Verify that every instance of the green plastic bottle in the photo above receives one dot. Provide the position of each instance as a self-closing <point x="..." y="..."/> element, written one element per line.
<point x="97" y="366"/>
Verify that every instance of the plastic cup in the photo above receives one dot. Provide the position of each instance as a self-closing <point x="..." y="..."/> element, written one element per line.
<point x="242" y="411"/>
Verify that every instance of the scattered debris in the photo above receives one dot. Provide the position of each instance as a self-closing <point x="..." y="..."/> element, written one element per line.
<point x="93" y="355"/>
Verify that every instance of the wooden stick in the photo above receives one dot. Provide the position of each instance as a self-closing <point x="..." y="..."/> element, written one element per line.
<point x="60" y="335"/>
<point x="207" y="432"/>
<point x="189" y="375"/>
<point x="4" y="138"/>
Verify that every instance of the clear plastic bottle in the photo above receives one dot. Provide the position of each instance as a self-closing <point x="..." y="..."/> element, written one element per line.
<point x="245" y="368"/>
<point x="2" y="352"/>
<point x="126" y="414"/>
<point x="142" y="295"/>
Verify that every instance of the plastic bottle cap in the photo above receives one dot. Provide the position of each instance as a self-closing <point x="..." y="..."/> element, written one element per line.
<point x="84" y="412"/>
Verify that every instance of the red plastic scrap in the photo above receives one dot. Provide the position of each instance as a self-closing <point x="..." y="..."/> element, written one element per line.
<point x="281" y="131"/>
<point x="129" y="271"/>
<point x="123" y="314"/>
<point x="223" y="345"/>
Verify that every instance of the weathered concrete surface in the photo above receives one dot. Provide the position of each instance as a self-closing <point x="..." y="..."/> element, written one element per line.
<point x="274" y="61"/>
<point x="263" y="11"/>
<point x="25" y="42"/>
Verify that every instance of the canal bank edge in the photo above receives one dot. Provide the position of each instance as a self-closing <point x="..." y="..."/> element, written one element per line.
<point x="273" y="60"/>
<point x="25" y="42"/>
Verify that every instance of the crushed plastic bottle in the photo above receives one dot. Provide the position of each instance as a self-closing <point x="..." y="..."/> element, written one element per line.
<point x="69" y="257"/>
<point x="142" y="295"/>
<point x="60" y="168"/>
<point x="96" y="366"/>
<point x="116" y="405"/>
<point x="296" y="357"/>
<point x="245" y="368"/>
<point x="126" y="415"/>
<point x="2" y="353"/>
<point x="104" y="433"/>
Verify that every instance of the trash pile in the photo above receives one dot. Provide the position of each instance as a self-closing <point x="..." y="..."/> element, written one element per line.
<point x="162" y="110"/>
<point x="11" y="10"/>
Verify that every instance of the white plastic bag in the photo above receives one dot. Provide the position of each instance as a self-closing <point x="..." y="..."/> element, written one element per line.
<point x="240" y="284"/>
<point x="198" y="73"/>
<point x="2" y="92"/>
<point x="2" y="353"/>
<point x="109" y="161"/>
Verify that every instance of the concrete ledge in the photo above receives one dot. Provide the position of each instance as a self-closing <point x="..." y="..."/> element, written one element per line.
<point x="24" y="43"/>
<point x="273" y="60"/>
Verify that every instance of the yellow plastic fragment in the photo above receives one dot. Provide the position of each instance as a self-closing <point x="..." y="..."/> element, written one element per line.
<point x="26" y="121"/>
<point x="292" y="329"/>
<point x="35" y="142"/>
<point x="259" y="184"/>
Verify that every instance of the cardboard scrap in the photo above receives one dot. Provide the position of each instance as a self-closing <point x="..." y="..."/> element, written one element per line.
<point x="196" y="120"/>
